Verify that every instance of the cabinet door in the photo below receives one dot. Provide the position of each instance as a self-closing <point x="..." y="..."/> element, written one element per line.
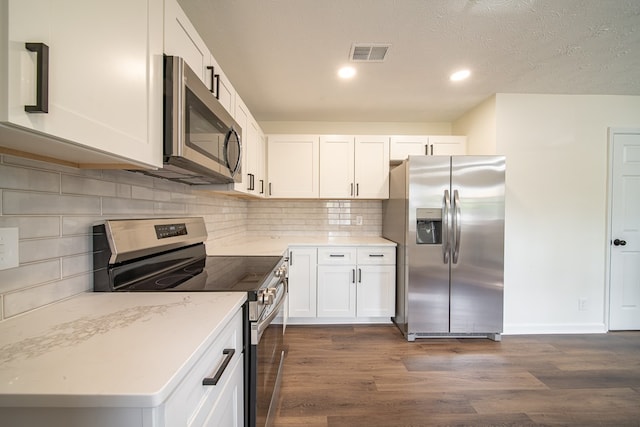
<point x="372" y="167"/>
<point x="228" y="410"/>
<point x="337" y="166"/>
<point x="293" y="162"/>
<point x="376" y="291"/>
<point x="224" y="91"/>
<point x="336" y="291"/>
<point x="302" y="282"/>
<point x="261" y="175"/>
<point x="105" y="75"/>
<point x="182" y="39"/>
<point x="405" y="146"/>
<point x="448" y="145"/>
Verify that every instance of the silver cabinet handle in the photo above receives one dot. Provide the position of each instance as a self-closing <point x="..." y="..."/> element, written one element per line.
<point x="446" y="244"/>
<point x="359" y="275"/>
<point x="228" y="352"/>
<point x="456" y="226"/>
<point x="336" y="255"/>
<point x="353" y="275"/>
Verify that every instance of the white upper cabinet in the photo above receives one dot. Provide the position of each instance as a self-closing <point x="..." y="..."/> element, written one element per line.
<point x="337" y="166"/>
<point x="449" y="145"/>
<point x="416" y="145"/>
<point x="102" y="80"/>
<point x="182" y="39"/>
<point x="253" y="160"/>
<point x="354" y="167"/>
<point x="372" y="167"/>
<point x="292" y="166"/>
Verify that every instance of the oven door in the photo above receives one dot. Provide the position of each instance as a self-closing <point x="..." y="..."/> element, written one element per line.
<point x="268" y="351"/>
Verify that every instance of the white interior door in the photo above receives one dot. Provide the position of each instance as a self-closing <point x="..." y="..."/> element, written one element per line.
<point x="624" y="297"/>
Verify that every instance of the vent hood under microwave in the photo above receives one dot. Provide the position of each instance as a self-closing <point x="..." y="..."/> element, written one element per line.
<point x="202" y="142"/>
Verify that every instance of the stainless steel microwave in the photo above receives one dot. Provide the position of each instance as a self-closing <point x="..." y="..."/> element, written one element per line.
<point x="202" y="141"/>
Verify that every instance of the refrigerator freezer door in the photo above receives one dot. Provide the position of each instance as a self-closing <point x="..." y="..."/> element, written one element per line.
<point x="427" y="277"/>
<point x="477" y="278"/>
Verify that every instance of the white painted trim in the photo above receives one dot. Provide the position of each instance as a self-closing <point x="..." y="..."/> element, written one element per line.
<point x="559" y="328"/>
<point x="607" y="267"/>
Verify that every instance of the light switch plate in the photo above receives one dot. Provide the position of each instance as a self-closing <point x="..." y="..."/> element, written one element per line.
<point x="8" y="248"/>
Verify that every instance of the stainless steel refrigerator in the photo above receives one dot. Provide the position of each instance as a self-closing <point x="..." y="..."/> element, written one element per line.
<point x="446" y="213"/>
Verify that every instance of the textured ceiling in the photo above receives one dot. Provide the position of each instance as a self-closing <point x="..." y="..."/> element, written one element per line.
<point x="282" y="55"/>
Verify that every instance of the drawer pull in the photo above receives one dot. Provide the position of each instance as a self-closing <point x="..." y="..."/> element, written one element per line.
<point x="336" y="255"/>
<point x="376" y="255"/>
<point x="229" y="352"/>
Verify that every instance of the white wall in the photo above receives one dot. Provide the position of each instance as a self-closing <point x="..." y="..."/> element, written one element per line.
<point x="479" y="125"/>
<point x="555" y="248"/>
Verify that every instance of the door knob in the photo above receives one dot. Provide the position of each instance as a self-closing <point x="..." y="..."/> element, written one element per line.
<point x="619" y="242"/>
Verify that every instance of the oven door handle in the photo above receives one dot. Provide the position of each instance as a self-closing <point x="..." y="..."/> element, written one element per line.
<point x="264" y="323"/>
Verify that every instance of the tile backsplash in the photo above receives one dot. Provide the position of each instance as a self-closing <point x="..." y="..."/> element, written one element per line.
<point x="54" y="207"/>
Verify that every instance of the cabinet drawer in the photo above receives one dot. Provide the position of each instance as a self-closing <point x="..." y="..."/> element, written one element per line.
<point x="376" y="255"/>
<point x="191" y="396"/>
<point x="336" y="255"/>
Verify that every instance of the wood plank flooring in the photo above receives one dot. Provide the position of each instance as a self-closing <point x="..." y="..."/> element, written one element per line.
<point x="370" y="375"/>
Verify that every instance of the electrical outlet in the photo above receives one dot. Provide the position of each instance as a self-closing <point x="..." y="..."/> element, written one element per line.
<point x="582" y="304"/>
<point x="8" y="248"/>
<point x="359" y="220"/>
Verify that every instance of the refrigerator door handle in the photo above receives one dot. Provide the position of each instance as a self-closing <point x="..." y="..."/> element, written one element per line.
<point x="456" y="226"/>
<point x="446" y="244"/>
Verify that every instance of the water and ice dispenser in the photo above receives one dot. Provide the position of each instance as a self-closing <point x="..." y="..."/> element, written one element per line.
<point x="429" y="226"/>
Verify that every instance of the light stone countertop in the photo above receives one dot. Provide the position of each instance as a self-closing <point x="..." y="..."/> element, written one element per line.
<point x="276" y="246"/>
<point x="109" y="349"/>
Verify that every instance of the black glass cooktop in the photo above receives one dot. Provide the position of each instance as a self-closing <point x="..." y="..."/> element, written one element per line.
<point x="213" y="273"/>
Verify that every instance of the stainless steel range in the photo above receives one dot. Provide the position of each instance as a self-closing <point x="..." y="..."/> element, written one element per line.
<point x="158" y="255"/>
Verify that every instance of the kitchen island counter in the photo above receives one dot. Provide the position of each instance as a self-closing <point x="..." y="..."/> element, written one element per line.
<point x="109" y="349"/>
<point x="277" y="246"/>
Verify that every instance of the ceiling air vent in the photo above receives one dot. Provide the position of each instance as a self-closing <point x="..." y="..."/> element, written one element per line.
<point x="368" y="52"/>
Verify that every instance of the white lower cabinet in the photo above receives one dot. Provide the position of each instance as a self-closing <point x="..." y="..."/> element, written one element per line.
<point x="190" y="404"/>
<point x="353" y="284"/>
<point x="302" y="282"/>
<point x="196" y="404"/>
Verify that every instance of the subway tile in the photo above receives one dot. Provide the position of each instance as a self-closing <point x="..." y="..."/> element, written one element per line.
<point x="33" y="226"/>
<point x="16" y="178"/>
<point x="29" y="203"/>
<point x="43" y="249"/>
<point x="142" y="193"/>
<point x="123" y="191"/>
<point x="18" y="302"/>
<point x="163" y="208"/>
<point x="115" y="206"/>
<point x="79" y="264"/>
<point x="27" y="275"/>
<point x="73" y="225"/>
<point x="81" y="185"/>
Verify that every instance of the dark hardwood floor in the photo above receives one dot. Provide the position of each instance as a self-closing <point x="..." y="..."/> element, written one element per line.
<point x="370" y="376"/>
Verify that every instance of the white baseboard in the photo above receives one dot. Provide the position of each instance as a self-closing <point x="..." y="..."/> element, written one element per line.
<point x="547" y="328"/>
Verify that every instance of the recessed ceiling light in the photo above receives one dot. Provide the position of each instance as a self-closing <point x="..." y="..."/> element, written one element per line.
<point x="459" y="75"/>
<point x="346" y="72"/>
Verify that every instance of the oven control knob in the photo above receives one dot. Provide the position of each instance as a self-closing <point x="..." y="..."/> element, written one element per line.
<point x="280" y="272"/>
<point x="267" y="296"/>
